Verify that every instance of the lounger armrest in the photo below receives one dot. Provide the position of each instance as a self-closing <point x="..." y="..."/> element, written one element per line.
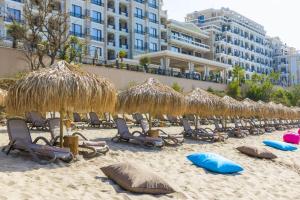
<point x="80" y="135"/>
<point x="137" y="132"/>
<point x="43" y="139"/>
<point x="209" y="129"/>
<point x="162" y="131"/>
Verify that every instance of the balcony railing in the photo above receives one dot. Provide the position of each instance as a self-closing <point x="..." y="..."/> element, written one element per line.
<point x="77" y="34"/>
<point x="97" y="2"/>
<point x="96" y="38"/>
<point x="139" y="31"/>
<point x="190" y="42"/>
<point x="139" y="16"/>
<point x="99" y="21"/>
<point x="78" y="15"/>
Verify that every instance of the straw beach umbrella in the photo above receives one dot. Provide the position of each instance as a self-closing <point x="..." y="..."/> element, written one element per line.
<point x="61" y="88"/>
<point x="232" y="107"/>
<point x="151" y="97"/>
<point x="252" y="108"/>
<point x="203" y="103"/>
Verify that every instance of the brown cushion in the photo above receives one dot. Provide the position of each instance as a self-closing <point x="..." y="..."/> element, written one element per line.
<point x="136" y="179"/>
<point x="257" y="152"/>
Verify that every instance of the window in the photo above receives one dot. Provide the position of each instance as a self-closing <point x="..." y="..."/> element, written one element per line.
<point x="152" y="18"/>
<point x="96" y="16"/>
<point x="76" y="11"/>
<point x="139" y="44"/>
<point x="139" y="13"/>
<point x="153" y="4"/>
<point x="13" y="14"/>
<point x="97" y="2"/>
<point x="96" y="34"/>
<point x="153" y="32"/>
<point x="201" y="19"/>
<point x="95" y="51"/>
<point x="175" y="49"/>
<point x="153" y="47"/>
<point x="139" y="28"/>
<point x="76" y="30"/>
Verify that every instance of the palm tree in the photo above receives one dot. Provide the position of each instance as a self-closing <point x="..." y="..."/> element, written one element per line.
<point x="238" y="74"/>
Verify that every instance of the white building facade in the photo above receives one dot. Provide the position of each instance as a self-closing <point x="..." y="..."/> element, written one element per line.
<point x="106" y="26"/>
<point x="236" y="40"/>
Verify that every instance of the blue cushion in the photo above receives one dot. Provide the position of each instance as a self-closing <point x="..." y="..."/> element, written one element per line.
<point x="280" y="145"/>
<point x="214" y="163"/>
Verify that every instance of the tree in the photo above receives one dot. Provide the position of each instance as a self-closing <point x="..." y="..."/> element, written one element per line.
<point x="238" y="74"/>
<point x="44" y="32"/>
<point x="122" y="54"/>
<point x="274" y="77"/>
<point x="144" y="61"/>
<point x="16" y="32"/>
<point x="280" y="96"/>
<point x="234" y="89"/>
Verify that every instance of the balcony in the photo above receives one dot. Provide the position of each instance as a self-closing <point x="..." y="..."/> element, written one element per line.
<point x="140" y="1"/>
<point x="123" y="13"/>
<point x="152" y="5"/>
<point x="78" y="15"/>
<point x="110" y="9"/>
<point x="189" y="43"/>
<point x="139" y="48"/>
<point x="97" y="2"/>
<point x="111" y="43"/>
<point x="111" y="26"/>
<point x="96" y="38"/>
<point x="99" y="21"/>
<point x="124" y="29"/>
<point x="77" y="34"/>
<point x="153" y="21"/>
<point x="139" y="16"/>
<point x="124" y="46"/>
<point x="139" y="32"/>
<point x="153" y="35"/>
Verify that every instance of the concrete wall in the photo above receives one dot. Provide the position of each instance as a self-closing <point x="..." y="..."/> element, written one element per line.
<point x="12" y="61"/>
<point x="121" y="78"/>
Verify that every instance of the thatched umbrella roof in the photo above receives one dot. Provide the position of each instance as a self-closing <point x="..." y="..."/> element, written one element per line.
<point x="3" y="95"/>
<point x="233" y="107"/>
<point x="273" y="109"/>
<point x="251" y="107"/>
<point x="203" y="103"/>
<point x="151" y="97"/>
<point x="61" y="87"/>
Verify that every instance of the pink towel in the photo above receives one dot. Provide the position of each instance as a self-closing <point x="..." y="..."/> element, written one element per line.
<point x="291" y="138"/>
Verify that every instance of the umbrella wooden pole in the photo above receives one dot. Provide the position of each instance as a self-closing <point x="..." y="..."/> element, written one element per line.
<point x="61" y="128"/>
<point x="196" y="122"/>
<point x="150" y="122"/>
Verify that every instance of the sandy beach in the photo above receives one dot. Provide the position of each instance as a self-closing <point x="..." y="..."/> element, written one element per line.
<point x="262" y="179"/>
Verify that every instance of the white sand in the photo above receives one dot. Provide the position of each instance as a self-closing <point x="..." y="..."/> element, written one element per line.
<point x="20" y="178"/>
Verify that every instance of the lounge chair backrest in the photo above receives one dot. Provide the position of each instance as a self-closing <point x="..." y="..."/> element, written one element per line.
<point x="36" y="116"/>
<point x="186" y="125"/>
<point x="122" y="127"/>
<point x="28" y="117"/>
<point x="54" y="126"/>
<point x="17" y="130"/>
<point x="145" y="126"/>
<point x="76" y="117"/>
<point x="94" y="117"/>
<point x="138" y="117"/>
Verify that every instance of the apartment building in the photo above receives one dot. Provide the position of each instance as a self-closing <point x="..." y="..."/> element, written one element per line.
<point x="235" y="39"/>
<point x="187" y="54"/>
<point x="106" y="26"/>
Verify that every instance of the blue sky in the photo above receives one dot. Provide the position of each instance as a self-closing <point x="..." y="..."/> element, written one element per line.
<point x="279" y="17"/>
